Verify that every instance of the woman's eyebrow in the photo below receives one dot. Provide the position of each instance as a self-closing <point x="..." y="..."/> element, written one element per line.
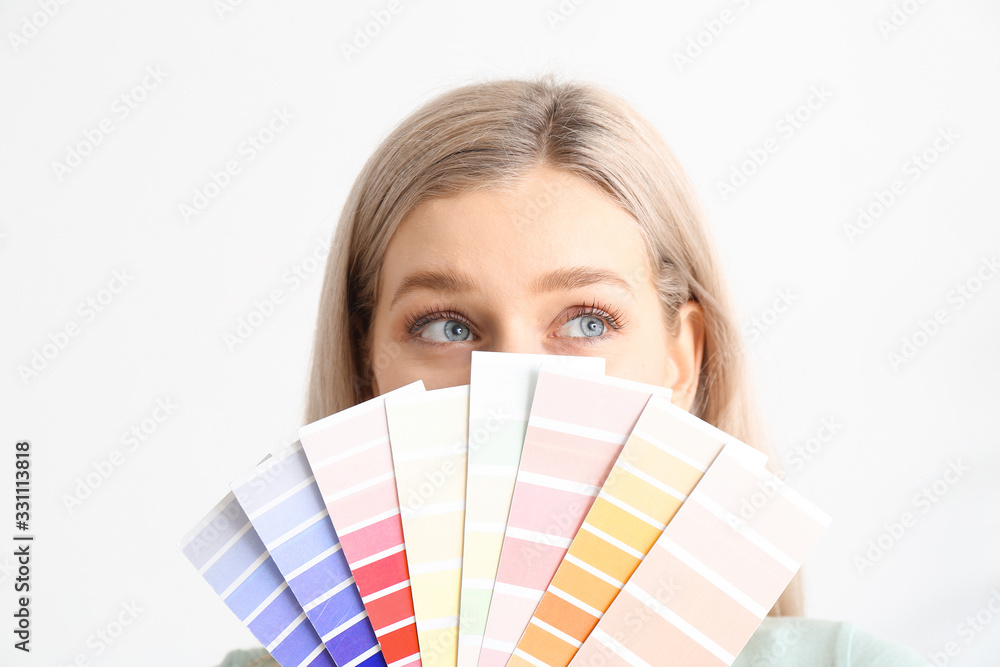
<point x="454" y="282"/>
<point x="580" y="276"/>
<point x="437" y="281"/>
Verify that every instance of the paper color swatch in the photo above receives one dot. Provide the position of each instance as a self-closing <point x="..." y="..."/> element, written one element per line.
<point x="713" y="574"/>
<point x="501" y="390"/>
<point x="429" y="432"/>
<point x="351" y="460"/>
<point x="227" y="552"/>
<point x="576" y="429"/>
<point x="664" y="458"/>
<point x="543" y="514"/>
<point x="286" y="508"/>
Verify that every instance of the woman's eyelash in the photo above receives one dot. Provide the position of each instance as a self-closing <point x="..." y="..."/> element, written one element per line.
<point x="415" y="322"/>
<point x="613" y="316"/>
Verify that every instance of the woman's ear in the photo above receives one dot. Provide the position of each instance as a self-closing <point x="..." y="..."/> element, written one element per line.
<point x="684" y="355"/>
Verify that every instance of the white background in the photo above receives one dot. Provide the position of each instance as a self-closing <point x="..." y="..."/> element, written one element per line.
<point x="827" y="356"/>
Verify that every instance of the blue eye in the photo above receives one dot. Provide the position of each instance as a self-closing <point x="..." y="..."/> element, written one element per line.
<point x="439" y="326"/>
<point x="591" y="324"/>
<point x="586" y="326"/>
<point x="446" y="331"/>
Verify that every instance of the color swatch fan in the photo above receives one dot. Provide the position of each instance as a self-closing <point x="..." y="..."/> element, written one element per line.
<point x="530" y="517"/>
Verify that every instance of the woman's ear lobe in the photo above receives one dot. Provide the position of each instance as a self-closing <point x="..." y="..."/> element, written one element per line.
<point x="685" y="354"/>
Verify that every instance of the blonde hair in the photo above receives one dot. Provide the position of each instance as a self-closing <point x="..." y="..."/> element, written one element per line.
<point x="489" y="135"/>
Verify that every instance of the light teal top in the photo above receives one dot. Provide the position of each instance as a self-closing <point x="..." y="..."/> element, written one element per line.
<point x="778" y="642"/>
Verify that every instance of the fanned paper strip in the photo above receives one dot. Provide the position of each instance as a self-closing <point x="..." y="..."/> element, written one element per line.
<point x="227" y="552"/>
<point x="577" y="427"/>
<point x="713" y="574"/>
<point x="351" y="460"/>
<point x="286" y="508"/>
<point x="501" y="389"/>
<point x="429" y="435"/>
<point x="694" y="597"/>
<point x="664" y="458"/>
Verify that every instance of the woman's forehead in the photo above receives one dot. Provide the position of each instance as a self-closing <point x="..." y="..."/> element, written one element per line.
<point x="519" y="232"/>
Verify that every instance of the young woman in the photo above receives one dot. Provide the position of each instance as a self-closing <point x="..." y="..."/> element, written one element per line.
<point x="544" y="217"/>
